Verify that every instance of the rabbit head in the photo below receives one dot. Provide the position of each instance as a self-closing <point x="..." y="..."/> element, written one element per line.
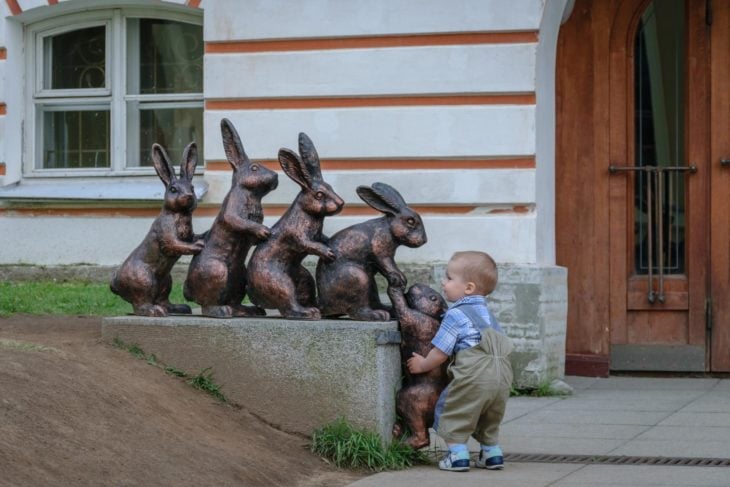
<point x="317" y="197"/>
<point x="246" y="174"/>
<point x="179" y="192"/>
<point x="405" y="224"/>
<point x="426" y="300"/>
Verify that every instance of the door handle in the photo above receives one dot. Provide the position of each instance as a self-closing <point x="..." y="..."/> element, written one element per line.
<point x="725" y="162"/>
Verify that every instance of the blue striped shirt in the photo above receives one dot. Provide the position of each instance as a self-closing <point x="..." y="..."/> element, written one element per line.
<point x="457" y="332"/>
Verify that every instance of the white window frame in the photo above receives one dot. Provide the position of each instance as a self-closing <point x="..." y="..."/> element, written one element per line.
<point x="114" y="95"/>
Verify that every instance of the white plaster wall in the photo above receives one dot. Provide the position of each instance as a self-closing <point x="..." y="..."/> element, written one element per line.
<point x="465" y="131"/>
<point x="481" y="187"/>
<point x="108" y="241"/>
<point x="404" y="71"/>
<point x="545" y="129"/>
<point x="277" y="19"/>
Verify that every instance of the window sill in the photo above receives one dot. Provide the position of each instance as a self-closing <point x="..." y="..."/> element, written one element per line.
<point x="89" y="191"/>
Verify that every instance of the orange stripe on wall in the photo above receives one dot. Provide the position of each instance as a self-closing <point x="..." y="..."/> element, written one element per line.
<point x="52" y="2"/>
<point x="2" y="169"/>
<point x="14" y="7"/>
<point x="370" y="42"/>
<point x="3" y="53"/>
<point x="368" y="101"/>
<point x="193" y="3"/>
<point x="205" y="211"/>
<point x="3" y="109"/>
<point x="375" y="164"/>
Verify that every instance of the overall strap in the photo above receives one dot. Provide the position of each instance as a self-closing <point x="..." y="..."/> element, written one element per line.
<point x="479" y="322"/>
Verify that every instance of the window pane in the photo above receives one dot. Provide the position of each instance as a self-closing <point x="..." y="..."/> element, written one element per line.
<point x="659" y="74"/>
<point x="76" y="139"/>
<point x="173" y="128"/>
<point x="76" y="59"/>
<point x="171" y="57"/>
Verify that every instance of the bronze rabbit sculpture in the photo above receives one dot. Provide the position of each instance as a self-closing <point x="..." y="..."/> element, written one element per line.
<point x="144" y="278"/>
<point x="277" y="278"/>
<point x="217" y="276"/>
<point x="419" y="316"/>
<point x="346" y="285"/>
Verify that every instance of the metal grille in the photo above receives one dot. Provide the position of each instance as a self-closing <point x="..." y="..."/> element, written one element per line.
<point x="617" y="460"/>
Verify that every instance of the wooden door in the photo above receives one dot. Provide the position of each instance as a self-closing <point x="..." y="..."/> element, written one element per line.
<point x="643" y="88"/>
<point x="658" y="193"/>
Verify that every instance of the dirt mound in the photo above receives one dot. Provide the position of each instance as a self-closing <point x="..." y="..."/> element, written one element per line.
<point x="76" y="411"/>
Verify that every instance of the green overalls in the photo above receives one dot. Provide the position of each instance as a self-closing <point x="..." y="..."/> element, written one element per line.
<point x="477" y="394"/>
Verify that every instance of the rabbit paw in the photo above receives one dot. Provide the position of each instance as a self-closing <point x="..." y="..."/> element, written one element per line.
<point x="217" y="311"/>
<point x="198" y="245"/>
<point x="262" y="233"/>
<point x="329" y="255"/>
<point x="396" y="279"/>
<point x="150" y="310"/>
<point x="368" y="314"/>
<point x="303" y="313"/>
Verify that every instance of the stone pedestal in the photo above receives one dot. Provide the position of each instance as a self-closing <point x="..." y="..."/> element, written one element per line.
<point x="296" y="375"/>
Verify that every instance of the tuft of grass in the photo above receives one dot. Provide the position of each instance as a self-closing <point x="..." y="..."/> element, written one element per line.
<point x="542" y="390"/>
<point x="204" y="381"/>
<point x="67" y="298"/>
<point x="175" y="371"/>
<point x="359" y="449"/>
<point x="26" y="346"/>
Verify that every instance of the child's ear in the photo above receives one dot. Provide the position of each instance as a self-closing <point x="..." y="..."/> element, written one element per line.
<point x="470" y="288"/>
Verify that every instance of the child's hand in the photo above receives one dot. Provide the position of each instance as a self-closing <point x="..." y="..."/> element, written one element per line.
<point x="415" y="364"/>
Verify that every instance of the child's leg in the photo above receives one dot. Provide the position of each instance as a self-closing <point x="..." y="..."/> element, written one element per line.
<point x="487" y="432"/>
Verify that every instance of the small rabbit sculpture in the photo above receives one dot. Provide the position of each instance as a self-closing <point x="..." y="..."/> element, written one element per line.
<point x="144" y="278"/>
<point x="346" y="285"/>
<point x="217" y="276"/>
<point x="419" y="316"/>
<point x="277" y="278"/>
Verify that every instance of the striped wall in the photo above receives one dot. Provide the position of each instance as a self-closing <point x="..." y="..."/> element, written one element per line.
<point x="435" y="98"/>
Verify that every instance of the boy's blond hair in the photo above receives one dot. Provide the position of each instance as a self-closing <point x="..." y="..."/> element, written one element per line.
<point x="477" y="267"/>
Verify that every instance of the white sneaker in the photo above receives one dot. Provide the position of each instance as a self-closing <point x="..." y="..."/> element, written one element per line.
<point x="453" y="463"/>
<point x="494" y="460"/>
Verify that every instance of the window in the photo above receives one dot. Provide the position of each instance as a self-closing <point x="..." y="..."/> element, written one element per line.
<point x="106" y="85"/>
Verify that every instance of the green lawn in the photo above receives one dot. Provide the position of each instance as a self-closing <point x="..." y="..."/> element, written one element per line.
<point x="67" y="298"/>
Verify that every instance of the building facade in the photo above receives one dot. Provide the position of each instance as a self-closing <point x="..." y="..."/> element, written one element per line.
<point x="497" y="120"/>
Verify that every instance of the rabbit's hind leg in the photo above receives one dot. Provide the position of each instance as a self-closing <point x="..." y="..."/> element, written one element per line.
<point x="149" y="309"/>
<point x="241" y="310"/>
<point x="369" y="314"/>
<point x="217" y="311"/>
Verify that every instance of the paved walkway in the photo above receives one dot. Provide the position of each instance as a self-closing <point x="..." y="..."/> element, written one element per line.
<point x="618" y="416"/>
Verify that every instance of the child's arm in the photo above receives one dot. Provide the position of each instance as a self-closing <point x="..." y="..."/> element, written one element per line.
<point x="419" y="364"/>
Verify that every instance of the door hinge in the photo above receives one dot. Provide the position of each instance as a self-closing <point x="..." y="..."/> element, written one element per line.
<point x="708" y="12"/>
<point x="708" y="313"/>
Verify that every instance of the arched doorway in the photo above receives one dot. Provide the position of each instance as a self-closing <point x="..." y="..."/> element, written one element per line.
<point x="643" y="114"/>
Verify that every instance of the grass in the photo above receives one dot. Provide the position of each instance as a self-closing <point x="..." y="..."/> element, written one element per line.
<point x="25" y="346"/>
<point x="542" y="390"/>
<point x="203" y="381"/>
<point x="359" y="449"/>
<point x="67" y="298"/>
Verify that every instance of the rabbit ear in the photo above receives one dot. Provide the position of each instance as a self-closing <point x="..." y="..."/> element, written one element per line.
<point x="382" y="197"/>
<point x="162" y="164"/>
<point x="294" y="168"/>
<point x="189" y="161"/>
<point x="309" y="156"/>
<point x="232" y="145"/>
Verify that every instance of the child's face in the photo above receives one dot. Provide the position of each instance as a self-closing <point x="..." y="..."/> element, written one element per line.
<point x="453" y="283"/>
